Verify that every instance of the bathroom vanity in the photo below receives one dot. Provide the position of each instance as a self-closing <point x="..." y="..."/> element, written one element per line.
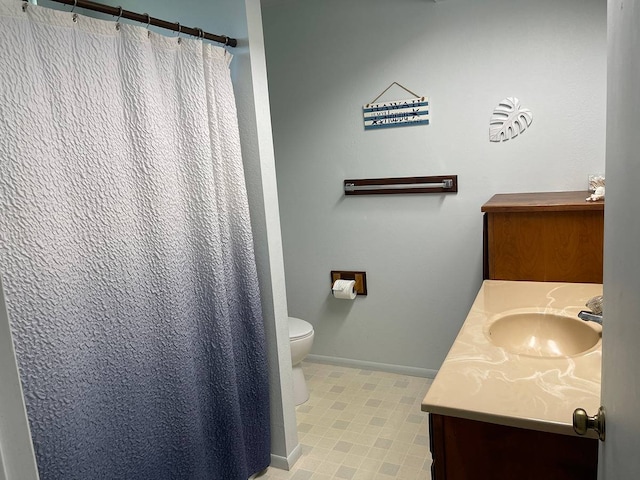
<point x="501" y="405"/>
<point x="546" y="237"/>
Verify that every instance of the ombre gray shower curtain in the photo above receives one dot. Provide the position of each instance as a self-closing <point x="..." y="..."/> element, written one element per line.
<point x="126" y="252"/>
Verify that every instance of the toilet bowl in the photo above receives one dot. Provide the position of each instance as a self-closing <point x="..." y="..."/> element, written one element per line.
<point x="301" y="339"/>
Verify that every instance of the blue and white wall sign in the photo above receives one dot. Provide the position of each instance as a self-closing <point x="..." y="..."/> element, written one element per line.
<point x="398" y="113"/>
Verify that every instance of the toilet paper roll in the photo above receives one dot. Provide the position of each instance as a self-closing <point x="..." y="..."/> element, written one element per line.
<point x="344" y="289"/>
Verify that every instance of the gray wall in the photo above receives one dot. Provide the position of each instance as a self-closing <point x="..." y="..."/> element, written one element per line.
<point x="422" y="253"/>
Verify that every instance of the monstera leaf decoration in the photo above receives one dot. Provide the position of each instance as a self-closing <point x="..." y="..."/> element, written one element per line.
<point x="509" y="120"/>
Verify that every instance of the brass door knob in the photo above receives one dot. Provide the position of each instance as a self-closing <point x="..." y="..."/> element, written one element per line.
<point x="582" y="422"/>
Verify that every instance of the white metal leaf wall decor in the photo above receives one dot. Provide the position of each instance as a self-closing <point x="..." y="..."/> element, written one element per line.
<point x="508" y="120"/>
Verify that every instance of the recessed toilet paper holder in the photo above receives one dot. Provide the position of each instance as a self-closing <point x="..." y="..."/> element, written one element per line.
<point x="359" y="277"/>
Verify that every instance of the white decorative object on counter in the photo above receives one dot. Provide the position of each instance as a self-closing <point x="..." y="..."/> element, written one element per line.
<point x="509" y="120"/>
<point x="597" y="195"/>
<point x="595" y="304"/>
<point x="595" y="181"/>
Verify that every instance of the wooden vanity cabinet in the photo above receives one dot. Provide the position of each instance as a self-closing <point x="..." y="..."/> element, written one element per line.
<point x="546" y="237"/>
<point x="470" y="450"/>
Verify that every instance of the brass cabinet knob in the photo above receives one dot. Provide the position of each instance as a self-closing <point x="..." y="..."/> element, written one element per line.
<point x="582" y="422"/>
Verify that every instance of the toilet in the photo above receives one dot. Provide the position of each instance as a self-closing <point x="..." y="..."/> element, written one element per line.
<point x="301" y="339"/>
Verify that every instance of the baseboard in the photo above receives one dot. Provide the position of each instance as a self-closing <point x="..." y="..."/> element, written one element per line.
<point x="382" y="367"/>
<point x="285" y="463"/>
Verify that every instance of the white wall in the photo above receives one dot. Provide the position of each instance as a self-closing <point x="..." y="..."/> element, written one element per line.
<point x="17" y="457"/>
<point x="422" y="253"/>
<point x="258" y="155"/>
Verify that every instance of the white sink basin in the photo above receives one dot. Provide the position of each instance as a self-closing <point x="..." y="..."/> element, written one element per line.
<point x="542" y="334"/>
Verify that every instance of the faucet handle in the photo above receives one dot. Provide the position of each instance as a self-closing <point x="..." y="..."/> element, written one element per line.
<point x="595" y="305"/>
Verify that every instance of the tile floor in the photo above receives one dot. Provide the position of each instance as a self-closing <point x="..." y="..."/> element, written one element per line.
<point x="360" y="424"/>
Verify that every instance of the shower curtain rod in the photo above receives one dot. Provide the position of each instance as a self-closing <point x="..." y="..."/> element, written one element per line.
<point x="145" y="18"/>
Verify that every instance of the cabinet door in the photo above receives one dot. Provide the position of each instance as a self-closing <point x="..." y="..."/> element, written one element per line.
<point x="546" y="246"/>
<point x="470" y="450"/>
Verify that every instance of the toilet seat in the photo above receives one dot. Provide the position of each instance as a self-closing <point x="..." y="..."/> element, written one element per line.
<point x="299" y="329"/>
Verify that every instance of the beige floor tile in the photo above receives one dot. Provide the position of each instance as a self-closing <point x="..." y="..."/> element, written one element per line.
<point x="334" y="433"/>
<point x="410" y="473"/>
<point x="360" y="450"/>
<point x="328" y="468"/>
<point x="336" y="457"/>
<point x="413" y="461"/>
<point x="396" y="458"/>
<point x="366" y="439"/>
<point x="370" y="465"/>
<point x="321" y="476"/>
<point x="373" y="430"/>
<point x="326" y="442"/>
<point x="377" y="453"/>
<point x="353" y="437"/>
<point x="356" y="427"/>
<point x="400" y="447"/>
<point x="418" y="450"/>
<point x="310" y="464"/>
<point x="354" y="461"/>
<point x="362" y="418"/>
<point x="402" y="436"/>
<point x="360" y="425"/>
<point x="319" y="452"/>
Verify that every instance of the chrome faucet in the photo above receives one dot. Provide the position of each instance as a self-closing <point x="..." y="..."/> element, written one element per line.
<point x="595" y="315"/>
<point x="590" y="317"/>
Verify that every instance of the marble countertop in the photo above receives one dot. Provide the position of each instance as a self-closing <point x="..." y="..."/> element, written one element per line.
<point x="481" y="381"/>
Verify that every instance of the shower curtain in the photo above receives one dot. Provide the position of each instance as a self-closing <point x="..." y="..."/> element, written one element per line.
<point x="126" y="252"/>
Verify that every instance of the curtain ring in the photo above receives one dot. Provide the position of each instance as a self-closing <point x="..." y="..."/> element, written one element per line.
<point x="119" y="17"/>
<point x="179" y="32"/>
<point x="148" y="23"/>
<point x="200" y="33"/>
<point x="25" y="4"/>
